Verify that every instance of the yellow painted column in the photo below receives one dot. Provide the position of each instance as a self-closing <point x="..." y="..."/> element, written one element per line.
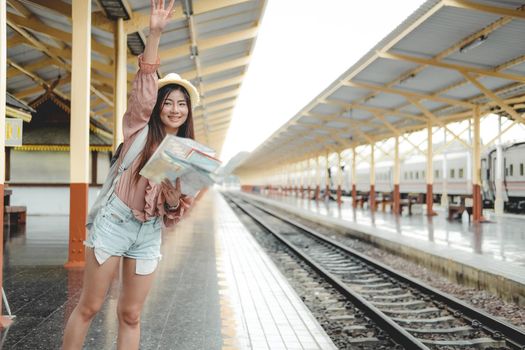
<point x="430" y="170"/>
<point x="372" y="195"/>
<point x="310" y="178"/>
<point x="354" y="172"/>
<point x="121" y="81"/>
<point x="318" y="178"/>
<point x="4" y="321"/>
<point x="79" y="135"/>
<point x="339" y="178"/>
<point x="396" y="178"/>
<point x="444" y="176"/>
<point x="498" y="176"/>
<point x="476" y="169"/>
<point x="328" y="176"/>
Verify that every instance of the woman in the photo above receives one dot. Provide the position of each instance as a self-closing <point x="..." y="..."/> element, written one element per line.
<point x="128" y="227"/>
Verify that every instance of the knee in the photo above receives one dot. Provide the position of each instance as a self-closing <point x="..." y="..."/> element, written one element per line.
<point x="129" y="316"/>
<point x="87" y="311"/>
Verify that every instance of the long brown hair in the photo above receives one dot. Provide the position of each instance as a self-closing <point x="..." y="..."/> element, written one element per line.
<point x="156" y="132"/>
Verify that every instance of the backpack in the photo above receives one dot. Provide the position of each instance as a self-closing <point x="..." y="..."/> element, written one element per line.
<point x="115" y="172"/>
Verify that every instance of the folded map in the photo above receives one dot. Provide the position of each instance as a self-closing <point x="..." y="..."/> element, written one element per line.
<point x="178" y="157"/>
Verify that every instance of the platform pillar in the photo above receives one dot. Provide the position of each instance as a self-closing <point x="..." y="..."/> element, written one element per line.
<point x="444" y="177"/>
<point x="354" y="191"/>
<point x="4" y="321"/>
<point x="328" y="178"/>
<point x="429" y="172"/>
<point x="79" y="151"/>
<point x="318" y="180"/>
<point x="120" y="85"/>
<point x="498" y="178"/>
<point x="397" y="174"/>
<point x="476" y="170"/>
<point x="372" y="195"/>
<point x="339" y="178"/>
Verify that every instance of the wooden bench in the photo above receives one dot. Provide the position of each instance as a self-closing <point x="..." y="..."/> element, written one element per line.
<point x="455" y="210"/>
<point x="16" y="214"/>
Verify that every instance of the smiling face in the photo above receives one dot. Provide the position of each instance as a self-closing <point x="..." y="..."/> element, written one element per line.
<point x="174" y="112"/>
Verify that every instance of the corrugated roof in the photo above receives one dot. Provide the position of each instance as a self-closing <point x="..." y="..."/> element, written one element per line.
<point x="221" y="32"/>
<point x="428" y="70"/>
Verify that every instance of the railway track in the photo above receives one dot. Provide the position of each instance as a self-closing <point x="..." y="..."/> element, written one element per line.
<point x="412" y="314"/>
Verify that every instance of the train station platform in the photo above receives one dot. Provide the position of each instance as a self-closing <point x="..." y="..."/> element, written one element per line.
<point x="215" y="289"/>
<point x="488" y="256"/>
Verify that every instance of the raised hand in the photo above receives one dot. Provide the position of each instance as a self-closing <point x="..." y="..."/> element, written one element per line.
<point x="160" y="16"/>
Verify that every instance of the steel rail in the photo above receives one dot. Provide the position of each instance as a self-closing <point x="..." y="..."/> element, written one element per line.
<point x="514" y="335"/>
<point x="396" y="332"/>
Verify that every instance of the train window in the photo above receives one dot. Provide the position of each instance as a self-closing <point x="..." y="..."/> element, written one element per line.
<point x="411" y="175"/>
<point x="451" y="173"/>
<point x="460" y="173"/>
<point x="511" y="170"/>
<point x="436" y="174"/>
<point x="406" y="176"/>
<point x="417" y="174"/>
<point x="521" y="169"/>
<point x="423" y="174"/>
<point x="506" y="171"/>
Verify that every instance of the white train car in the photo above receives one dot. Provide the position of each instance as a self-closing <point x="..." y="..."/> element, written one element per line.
<point x="513" y="177"/>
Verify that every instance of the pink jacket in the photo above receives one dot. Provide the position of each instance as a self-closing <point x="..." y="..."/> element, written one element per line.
<point x="145" y="198"/>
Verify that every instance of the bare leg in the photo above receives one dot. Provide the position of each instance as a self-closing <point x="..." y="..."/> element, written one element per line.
<point x="97" y="279"/>
<point x="133" y="293"/>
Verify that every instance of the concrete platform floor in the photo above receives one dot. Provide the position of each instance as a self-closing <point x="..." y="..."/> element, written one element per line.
<point x="215" y="289"/>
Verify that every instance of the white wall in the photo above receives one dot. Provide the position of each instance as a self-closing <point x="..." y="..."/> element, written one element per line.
<point x="49" y="167"/>
<point x="46" y="200"/>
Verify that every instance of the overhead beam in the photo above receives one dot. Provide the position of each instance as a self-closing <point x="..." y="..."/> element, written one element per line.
<point x="494" y="10"/>
<point x="494" y="97"/>
<point x="53" y="33"/>
<point x="405" y="93"/>
<point x="456" y="67"/>
<point x="98" y="19"/>
<point x="139" y="21"/>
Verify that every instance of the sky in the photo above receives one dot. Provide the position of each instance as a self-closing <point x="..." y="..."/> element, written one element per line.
<point x="302" y="47"/>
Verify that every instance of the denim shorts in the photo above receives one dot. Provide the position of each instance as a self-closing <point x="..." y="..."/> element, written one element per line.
<point x="116" y="232"/>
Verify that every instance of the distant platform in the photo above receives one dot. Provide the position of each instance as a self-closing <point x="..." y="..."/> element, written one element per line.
<point x="489" y="255"/>
<point x="215" y="289"/>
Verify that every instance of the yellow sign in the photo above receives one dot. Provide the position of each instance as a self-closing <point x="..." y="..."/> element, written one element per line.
<point x="13" y="132"/>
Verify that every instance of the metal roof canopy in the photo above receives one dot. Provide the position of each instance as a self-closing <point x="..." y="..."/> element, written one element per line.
<point x="209" y="42"/>
<point x="447" y="58"/>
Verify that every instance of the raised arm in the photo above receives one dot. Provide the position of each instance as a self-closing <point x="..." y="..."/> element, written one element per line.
<point x="144" y="89"/>
<point x="158" y="20"/>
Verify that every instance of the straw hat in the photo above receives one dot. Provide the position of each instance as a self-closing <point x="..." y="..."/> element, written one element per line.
<point x="174" y="78"/>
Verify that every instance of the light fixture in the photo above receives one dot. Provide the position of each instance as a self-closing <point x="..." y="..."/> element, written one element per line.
<point x="474" y="43"/>
<point x="407" y="77"/>
<point x="194" y="52"/>
<point x="187" y="7"/>
<point x="115" y="9"/>
<point x="135" y="43"/>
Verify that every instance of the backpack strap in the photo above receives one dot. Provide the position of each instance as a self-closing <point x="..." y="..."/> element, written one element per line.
<point x="136" y="147"/>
